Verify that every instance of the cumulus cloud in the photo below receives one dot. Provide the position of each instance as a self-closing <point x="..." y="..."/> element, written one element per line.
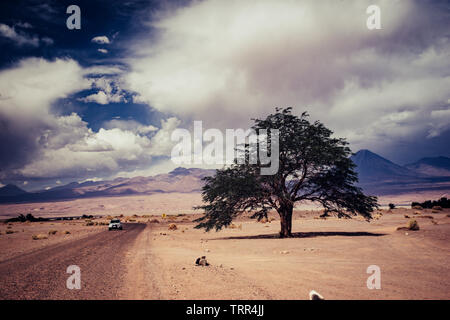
<point x="22" y="38"/>
<point x="43" y="145"/>
<point x="109" y="91"/>
<point x="227" y="62"/>
<point x="101" y="40"/>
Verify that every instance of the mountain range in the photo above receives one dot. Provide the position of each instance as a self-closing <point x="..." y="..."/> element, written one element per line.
<point x="377" y="175"/>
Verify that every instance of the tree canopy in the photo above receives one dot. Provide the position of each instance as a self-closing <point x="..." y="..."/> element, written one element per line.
<point x="313" y="166"/>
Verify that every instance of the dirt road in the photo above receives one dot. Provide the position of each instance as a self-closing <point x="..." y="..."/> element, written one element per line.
<point x="41" y="274"/>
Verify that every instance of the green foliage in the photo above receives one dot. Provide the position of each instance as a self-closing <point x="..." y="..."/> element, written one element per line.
<point x="313" y="166"/>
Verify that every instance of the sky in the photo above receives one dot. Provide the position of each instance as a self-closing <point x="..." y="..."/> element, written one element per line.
<point x="102" y="101"/>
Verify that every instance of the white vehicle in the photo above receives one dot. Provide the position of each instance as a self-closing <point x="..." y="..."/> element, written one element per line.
<point x="115" y="224"/>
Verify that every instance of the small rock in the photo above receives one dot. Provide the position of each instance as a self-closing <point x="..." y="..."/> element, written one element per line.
<point x="284" y="252"/>
<point x="406" y="233"/>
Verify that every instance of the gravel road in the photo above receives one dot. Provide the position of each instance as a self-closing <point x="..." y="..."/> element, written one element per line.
<point x="41" y="274"/>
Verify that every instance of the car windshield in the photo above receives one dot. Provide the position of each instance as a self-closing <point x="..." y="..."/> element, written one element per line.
<point x="115" y="221"/>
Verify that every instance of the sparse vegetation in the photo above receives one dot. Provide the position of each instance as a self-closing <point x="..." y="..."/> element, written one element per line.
<point x="413" y="225"/>
<point x="39" y="237"/>
<point x="154" y="221"/>
<point x="9" y="231"/>
<point x="67" y="232"/>
<point x="173" y="226"/>
<point x="52" y="232"/>
<point x="391" y="206"/>
<point x="29" y="217"/>
<point x="429" y="204"/>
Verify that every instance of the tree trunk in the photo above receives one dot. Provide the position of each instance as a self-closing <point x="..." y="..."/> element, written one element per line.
<point x="285" y="212"/>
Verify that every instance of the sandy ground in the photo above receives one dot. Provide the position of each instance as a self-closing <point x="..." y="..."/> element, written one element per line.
<point x="329" y="255"/>
<point x="169" y="203"/>
<point x="158" y="203"/>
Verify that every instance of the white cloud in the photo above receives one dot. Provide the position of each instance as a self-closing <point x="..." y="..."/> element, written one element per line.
<point x="50" y="146"/>
<point x="102" y="50"/>
<point x="109" y="91"/>
<point x="101" y="40"/>
<point x="19" y="38"/>
<point x="22" y="38"/>
<point x="227" y="62"/>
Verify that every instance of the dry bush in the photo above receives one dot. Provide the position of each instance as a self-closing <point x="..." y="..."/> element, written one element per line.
<point x="417" y="207"/>
<point x="89" y="223"/>
<point x="413" y="225"/>
<point x="264" y="220"/>
<point x="39" y="237"/>
<point x="66" y="232"/>
<point x="52" y="232"/>
<point x="406" y="216"/>
<point x="426" y="217"/>
<point x="173" y="226"/>
<point x="154" y="221"/>
<point x="9" y="231"/>
<point x="438" y="208"/>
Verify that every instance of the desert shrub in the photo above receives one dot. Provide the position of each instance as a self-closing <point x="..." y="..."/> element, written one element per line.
<point x="9" y="231"/>
<point x="39" y="237"/>
<point x="413" y="225"/>
<point x="52" y="232"/>
<point x="406" y="216"/>
<point x="66" y="232"/>
<point x="417" y="207"/>
<point x="264" y="220"/>
<point x="438" y="208"/>
<point x="89" y="223"/>
<point x="154" y="221"/>
<point x="429" y="204"/>
<point x="173" y="226"/>
<point x="131" y="220"/>
<point x="85" y="216"/>
<point x="391" y="206"/>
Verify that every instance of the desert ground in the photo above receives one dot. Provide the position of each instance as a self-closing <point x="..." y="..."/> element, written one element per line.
<point x="158" y="203"/>
<point x="150" y="259"/>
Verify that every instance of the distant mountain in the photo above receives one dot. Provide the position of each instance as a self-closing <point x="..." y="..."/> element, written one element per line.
<point x="11" y="190"/>
<point x="372" y="167"/>
<point x="178" y="180"/>
<point x="437" y="166"/>
<point x="380" y="176"/>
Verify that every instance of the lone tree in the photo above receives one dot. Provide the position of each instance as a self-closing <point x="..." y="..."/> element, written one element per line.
<point x="313" y="166"/>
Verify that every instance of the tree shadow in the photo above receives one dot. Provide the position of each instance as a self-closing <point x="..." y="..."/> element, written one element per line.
<point x="307" y="235"/>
